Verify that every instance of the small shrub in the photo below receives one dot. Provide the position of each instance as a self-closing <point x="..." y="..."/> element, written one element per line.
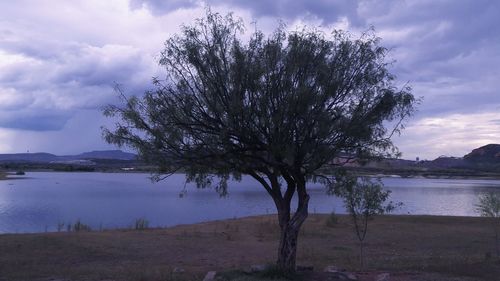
<point x="60" y="226"/>
<point x="79" y="226"/>
<point x="141" y="224"/>
<point x="489" y="206"/>
<point x="364" y="199"/>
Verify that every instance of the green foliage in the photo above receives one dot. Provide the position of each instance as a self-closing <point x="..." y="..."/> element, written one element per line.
<point x="287" y="103"/>
<point x="365" y="198"/>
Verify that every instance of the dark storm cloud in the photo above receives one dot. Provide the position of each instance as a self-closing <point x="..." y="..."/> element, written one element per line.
<point x="327" y="11"/>
<point x="43" y="49"/>
<point x="35" y="120"/>
<point x="100" y="66"/>
<point x="447" y="50"/>
<point x="82" y="77"/>
<point x="86" y="64"/>
<point x="159" y="7"/>
<point x="443" y="30"/>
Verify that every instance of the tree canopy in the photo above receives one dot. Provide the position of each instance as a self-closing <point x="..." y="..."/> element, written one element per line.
<point x="277" y="107"/>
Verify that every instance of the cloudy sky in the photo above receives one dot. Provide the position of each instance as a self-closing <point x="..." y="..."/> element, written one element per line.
<point x="60" y="59"/>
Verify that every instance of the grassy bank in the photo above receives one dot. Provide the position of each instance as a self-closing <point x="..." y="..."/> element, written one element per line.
<point x="450" y="247"/>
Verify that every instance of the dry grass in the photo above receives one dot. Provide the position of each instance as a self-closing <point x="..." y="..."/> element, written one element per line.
<point x="455" y="246"/>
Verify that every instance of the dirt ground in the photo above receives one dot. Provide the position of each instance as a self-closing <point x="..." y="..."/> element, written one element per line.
<point x="407" y="247"/>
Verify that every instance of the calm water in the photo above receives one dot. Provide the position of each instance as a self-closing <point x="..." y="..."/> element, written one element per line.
<point x="41" y="201"/>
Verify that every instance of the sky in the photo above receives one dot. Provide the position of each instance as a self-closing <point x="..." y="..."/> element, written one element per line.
<point x="59" y="62"/>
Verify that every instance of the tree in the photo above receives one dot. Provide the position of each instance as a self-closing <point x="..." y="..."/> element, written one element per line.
<point x="489" y="206"/>
<point x="279" y="108"/>
<point x="364" y="199"/>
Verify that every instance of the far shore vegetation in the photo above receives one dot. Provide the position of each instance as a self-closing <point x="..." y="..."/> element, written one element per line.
<point x="139" y="167"/>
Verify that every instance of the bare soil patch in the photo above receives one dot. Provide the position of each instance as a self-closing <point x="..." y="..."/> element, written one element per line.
<point x="407" y="247"/>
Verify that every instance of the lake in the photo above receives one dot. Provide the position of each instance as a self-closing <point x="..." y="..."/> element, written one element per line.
<point x="43" y="200"/>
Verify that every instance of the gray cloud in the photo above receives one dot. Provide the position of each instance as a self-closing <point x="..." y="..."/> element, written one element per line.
<point x="447" y="50"/>
<point x="57" y="69"/>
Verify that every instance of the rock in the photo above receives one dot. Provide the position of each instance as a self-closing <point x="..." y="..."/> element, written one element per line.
<point x="178" y="270"/>
<point x="210" y="276"/>
<point x="333" y="269"/>
<point x="258" y="268"/>
<point x="350" y="276"/>
<point x="340" y="273"/>
<point x="305" y="268"/>
<point x="383" y="277"/>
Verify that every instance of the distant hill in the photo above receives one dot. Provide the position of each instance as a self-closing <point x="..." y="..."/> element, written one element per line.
<point x="485" y="158"/>
<point x="107" y="154"/>
<point x="489" y="154"/>
<point x="43" y="157"/>
<point x="28" y="157"/>
<point x="445" y="162"/>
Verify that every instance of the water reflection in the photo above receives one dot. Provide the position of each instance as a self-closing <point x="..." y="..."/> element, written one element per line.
<point x="43" y="200"/>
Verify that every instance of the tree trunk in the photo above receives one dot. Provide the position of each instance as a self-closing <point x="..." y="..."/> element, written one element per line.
<point x="361" y="254"/>
<point x="497" y="242"/>
<point x="287" y="251"/>
<point x="290" y="227"/>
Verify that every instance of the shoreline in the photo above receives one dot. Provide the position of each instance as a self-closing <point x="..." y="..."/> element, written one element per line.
<point x="446" y="246"/>
<point x="4" y="175"/>
<point x="272" y="215"/>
